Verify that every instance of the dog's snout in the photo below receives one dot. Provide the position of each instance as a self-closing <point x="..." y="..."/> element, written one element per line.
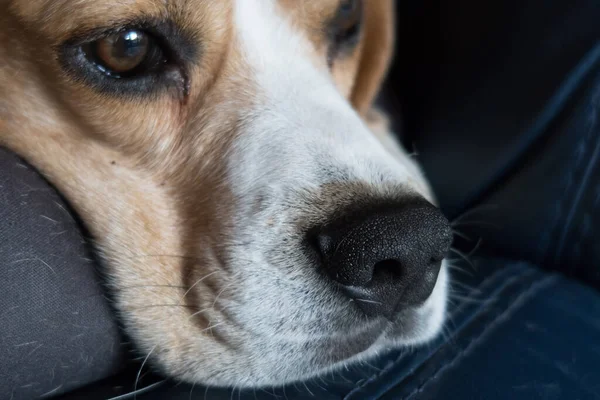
<point x="386" y="259"/>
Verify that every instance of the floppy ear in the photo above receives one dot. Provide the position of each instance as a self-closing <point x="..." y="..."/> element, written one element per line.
<point x="377" y="51"/>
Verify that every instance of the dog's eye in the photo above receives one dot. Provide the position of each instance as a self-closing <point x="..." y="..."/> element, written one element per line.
<point x="140" y="58"/>
<point x="126" y="53"/>
<point x="344" y="27"/>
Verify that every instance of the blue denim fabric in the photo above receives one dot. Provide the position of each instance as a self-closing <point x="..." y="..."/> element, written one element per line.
<point x="501" y="101"/>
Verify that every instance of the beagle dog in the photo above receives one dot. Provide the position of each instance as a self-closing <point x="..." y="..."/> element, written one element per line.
<point x="257" y="222"/>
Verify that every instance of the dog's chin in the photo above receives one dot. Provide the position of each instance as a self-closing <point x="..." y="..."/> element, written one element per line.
<point x="412" y="327"/>
<point x="279" y="361"/>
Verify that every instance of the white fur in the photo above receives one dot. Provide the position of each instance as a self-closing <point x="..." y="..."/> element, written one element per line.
<point x="301" y="125"/>
<point x="302" y="121"/>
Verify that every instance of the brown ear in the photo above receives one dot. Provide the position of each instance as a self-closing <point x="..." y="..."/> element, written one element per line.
<point x="377" y="50"/>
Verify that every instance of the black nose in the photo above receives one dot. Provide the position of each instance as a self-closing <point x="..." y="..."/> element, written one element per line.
<point x="386" y="259"/>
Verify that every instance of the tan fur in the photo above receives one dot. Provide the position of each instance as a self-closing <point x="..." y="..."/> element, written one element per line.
<point x="146" y="175"/>
<point x="378" y="46"/>
<point x="359" y="75"/>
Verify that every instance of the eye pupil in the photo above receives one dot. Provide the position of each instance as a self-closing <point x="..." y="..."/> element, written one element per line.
<point x="122" y="52"/>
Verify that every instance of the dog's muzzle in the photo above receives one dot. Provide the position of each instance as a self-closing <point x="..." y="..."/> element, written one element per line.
<point x="387" y="258"/>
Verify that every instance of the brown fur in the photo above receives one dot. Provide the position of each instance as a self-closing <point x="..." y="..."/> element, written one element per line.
<point x="378" y="46"/>
<point x="146" y="175"/>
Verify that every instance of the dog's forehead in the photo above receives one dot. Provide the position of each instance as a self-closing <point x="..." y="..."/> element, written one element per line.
<point x="309" y="15"/>
<point x="61" y="17"/>
<point x="283" y="43"/>
<point x="257" y="20"/>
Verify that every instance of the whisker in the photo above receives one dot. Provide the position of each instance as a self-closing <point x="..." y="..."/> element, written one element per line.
<point x="444" y="333"/>
<point x="463" y="256"/>
<point x="474" y="223"/>
<point x="451" y="302"/>
<point x="368" y="301"/>
<point x="464" y="299"/>
<point x="450" y="321"/>
<point x="198" y="312"/>
<point x="151" y="286"/>
<point x="448" y="334"/>
<point x="341" y="375"/>
<point x="208" y="328"/>
<point x="160" y="305"/>
<point x="468" y="288"/>
<point x="192" y="390"/>
<point x="296" y="387"/>
<point x="182" y="256"/>
<point x="377" y="369"/>
<point x="474" y="210"/>
<point x="225" y="288"/>
<point x="460" y="234"/>
<point x="456" y="268"/>
<point x="196" y="283"/>
<point x="477" y="245"/>
<point x="137" y="378"/>
<point x="321" y="387"/>
<point x="284" y="393"/>
<point x="309" y="391"/>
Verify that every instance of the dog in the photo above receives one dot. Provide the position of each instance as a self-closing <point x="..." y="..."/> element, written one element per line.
<point x="257" y="221"/>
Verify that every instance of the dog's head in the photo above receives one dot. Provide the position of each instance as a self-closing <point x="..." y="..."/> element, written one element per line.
<point x="255" y="230"/>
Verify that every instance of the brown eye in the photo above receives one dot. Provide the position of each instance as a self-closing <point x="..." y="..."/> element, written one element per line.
<point x="125" y="53"/>
<point x="142" y="58"/>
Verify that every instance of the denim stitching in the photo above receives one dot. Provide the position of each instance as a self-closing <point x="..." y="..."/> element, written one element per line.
<point x="498" y="274"/>
<point x="586" y="173"/>
<point x="515" y="306"/>
<point x="488" y="280"/>
<point x="561" y="202"/>
<point x="585" y="67"/>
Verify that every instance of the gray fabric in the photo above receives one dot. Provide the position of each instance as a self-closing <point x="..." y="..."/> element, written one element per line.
<point x="57" y="332"/>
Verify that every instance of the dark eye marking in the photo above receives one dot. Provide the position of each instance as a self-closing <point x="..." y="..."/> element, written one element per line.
<point x="132" y="58"/>
<point x="344" y="29"/>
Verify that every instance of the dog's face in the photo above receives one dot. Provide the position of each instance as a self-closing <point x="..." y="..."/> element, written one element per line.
<point x="217" y="152"/>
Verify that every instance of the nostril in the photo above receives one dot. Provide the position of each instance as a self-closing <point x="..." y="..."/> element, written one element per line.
<point x="388" y="268"/>
<point x="390" y="256"/>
